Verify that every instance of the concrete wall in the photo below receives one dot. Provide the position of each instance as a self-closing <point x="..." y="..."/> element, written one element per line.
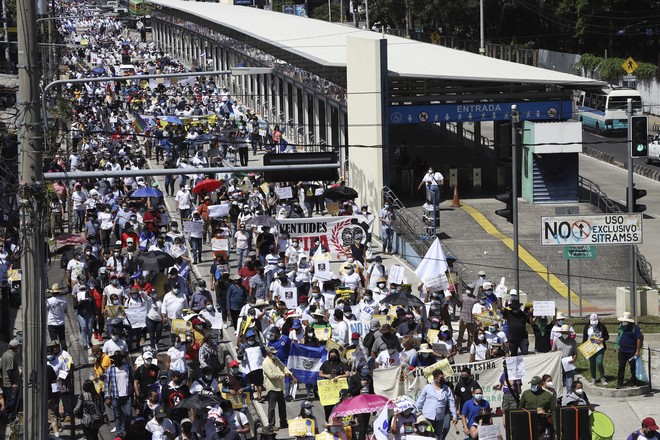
<point x="367" y="88"/>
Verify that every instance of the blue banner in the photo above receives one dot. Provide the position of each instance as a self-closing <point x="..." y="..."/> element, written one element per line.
<point x="481" y="111"/>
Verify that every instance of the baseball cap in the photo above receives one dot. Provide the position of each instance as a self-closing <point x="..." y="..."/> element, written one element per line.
<point x="296" y="324"/>
<point x="535" y="380"/>
<point x="159" y="412"/>
<point x="147" y="355"/>
<point x="306" y="404"/>
<point x="481" y="273"/>
<point x="14" y="343"/>
<point x="233" y="364"/>
<point x="650" y="424"/>
<point x="355" y="335"/>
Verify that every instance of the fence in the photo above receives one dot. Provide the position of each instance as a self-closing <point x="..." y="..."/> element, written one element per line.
<point x="591" y="192"/>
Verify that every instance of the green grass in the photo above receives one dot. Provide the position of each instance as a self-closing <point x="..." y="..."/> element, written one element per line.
<point x="648" y="324"/>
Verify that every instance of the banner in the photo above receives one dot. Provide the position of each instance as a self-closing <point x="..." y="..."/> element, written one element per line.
<point x="382" y="425"/>
<point x="322" y="333"/>
<point x="180" y="327"/>
<point x="284" y="193"/>
<point x="329" y="390"/>
<point x="335" y="233"/>
<point x="544" y="308"/>
<point x="239" y="400"/>
<point x="397" y="381"/>
<point x="193" y="227"/>
<point x="218" y="210"/>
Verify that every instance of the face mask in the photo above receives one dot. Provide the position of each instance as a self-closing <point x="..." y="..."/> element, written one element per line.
<point x="364" y="212"/>
<point x="334" y="358"/>
<point x="115" y="338"/>
<point x="135" y="295"/>
<point x="435" y="325"/>
<point x="560" y="322"/>
<point x="318" y="295"/>
<point x="465" y="378"/>
<point x="579" y="391"/>
<point x="307" y="412"/>
<point x="208" y="377"/>
<point x="272" y="337"/>
<point x="534" y="388"/>
<point x="445" y="334"/>
<point x="478" y="397"/>
<point x="209" y="307"/>
<point x="391" y="351"/>
<point x="235" y="370"/>
<point x="491" y="329"/>
<point x="549" y="384"/>
<point x="115" y="282"/>
<point x="387" y="206"/>
<point x="481" y="337"/>
<point x="334" y="429"/>
<point x="116" y="254"/>
<point x="50" y="357"/>
<point x="115" y="302"/>
<point x="88" y="252"/>
<point x="367" y="298"/>
<point x="176" y="290"/>
<point x="154" y="296"/>
<point x="295" y="245"/>
<point x="381" y="285"/>
<point x="251" y="342"/>
<point x="177" y="344"/>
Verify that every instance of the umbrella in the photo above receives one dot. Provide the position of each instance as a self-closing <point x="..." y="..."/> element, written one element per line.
<point x="198" y="401"/>
<point x="263" y="220"/>
<point x="207" y="185"/>
<point x="146" y="192"/>
<point x="155" y="261"/>
<point x="98" y="70"/>
<point x="340" y="193"/>
<point x="361" y="404"/>
<point x="403" y="299"/>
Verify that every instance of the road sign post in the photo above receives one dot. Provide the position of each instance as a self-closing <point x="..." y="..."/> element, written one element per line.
<point x="582" y="252"/>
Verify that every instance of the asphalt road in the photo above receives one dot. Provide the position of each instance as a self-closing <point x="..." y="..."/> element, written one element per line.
<point x="614" y="145"/>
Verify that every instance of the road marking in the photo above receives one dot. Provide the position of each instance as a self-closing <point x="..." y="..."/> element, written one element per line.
<point x="525" y="256"/>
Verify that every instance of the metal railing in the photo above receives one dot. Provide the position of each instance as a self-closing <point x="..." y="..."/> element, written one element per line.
<point x="591" y="192"/>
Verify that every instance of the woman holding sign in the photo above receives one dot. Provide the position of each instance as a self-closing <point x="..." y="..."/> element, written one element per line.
<point x="596" y="332"/>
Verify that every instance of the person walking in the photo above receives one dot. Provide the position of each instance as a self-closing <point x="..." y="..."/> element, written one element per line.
<point x="472" y="409"/>
<point x="387" y="234"/>
<point x="433" y="182"/>
<point x="568" y="349"/>
<point x="628" y="345"/>
<point x="56" y="307"/>
<point x="540" y="400"/>
<point x="118" y="390"/>
<point x="648" y="431"/>
<point x="467" y="321"/>
<point x="89" y="410"/>
<point x="274" y="373"/>
<point x="11" y="379"/>
<point x="433" y="402"/>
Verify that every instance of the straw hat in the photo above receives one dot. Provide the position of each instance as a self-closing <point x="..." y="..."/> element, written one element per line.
<point x="424" y="348"/>
<point x="627" y="317"/>
<point x="560" y="315"/>
<point x="55" y="288"/>
<point x="565" y="329"/>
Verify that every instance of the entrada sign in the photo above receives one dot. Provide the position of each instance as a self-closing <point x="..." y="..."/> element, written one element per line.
<point x="480" y="112"/>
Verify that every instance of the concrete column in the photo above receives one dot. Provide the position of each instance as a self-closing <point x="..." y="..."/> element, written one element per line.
<point x="296" y="119"/>
<point x="305" y="115"/>
<point x="328" y="122"/>
<point x="317" y="120"/>
<point x="286" y="104"/>
<point x="366" y="73"/>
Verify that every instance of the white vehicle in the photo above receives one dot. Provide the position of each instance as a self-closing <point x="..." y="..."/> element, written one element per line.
<point x="654" y="150"/>
<point x="605" y="110"/>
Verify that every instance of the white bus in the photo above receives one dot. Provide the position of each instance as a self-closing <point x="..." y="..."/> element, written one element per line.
<point x="605" y="110"/>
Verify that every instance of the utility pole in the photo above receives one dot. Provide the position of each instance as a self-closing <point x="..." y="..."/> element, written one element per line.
<point x="631" y="209"/>
<point x="515" y="119"/>
<point x="32" y="196"/>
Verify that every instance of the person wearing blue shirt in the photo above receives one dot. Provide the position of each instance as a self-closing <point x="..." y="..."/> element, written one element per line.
<point x="282" y="344"/>
<point x="628" y="345"/>
<point x="433" y="402"/>
<point x="472" y="409"/>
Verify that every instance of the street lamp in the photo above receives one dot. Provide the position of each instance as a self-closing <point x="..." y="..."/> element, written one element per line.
<point x="482" y="48"/>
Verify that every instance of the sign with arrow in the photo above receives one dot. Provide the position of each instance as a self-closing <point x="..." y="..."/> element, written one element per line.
<point x="484" y="111"/>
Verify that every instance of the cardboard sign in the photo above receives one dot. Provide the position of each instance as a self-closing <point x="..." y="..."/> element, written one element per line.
<point x="332" y="208"/>
<point x="218" y="210"/>
<point x="323" y="334"/>
<point x="544" y="308"/>
<point x="333" y="344"/>
<point x="515" y="366"/>
<point x="589" y="348"/>
<point x="440" y="365"/>
<point x="301" y="428"/>
<point x="114" y="312"/>
<point x="322" y="269"/>
<point x="180" y="327"/>
<point x="193" y="227"/>
<point x="396" y="275"/>
<point x="238" y="400"/>
<point x="350" y="355"/>
<point x="437" y="282"/>
<point x="432" y="335"/>
<point x="489" y="432"/>
<point x="221" y="244"/>
<point x="290" y="297"/>
<point x="329" y="390"/>
<point x="265" y="188"/>
<point x="489" y="317"/>
<point x="284" y="193"/>
<point x="383" y="319"/>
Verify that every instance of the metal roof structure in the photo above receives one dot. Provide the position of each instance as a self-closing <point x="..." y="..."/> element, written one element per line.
<point x="321" y="46"/>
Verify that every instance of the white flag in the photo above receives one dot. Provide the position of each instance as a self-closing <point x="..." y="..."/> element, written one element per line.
<point x="382" y="425"/>
<point x="433" y="263"/>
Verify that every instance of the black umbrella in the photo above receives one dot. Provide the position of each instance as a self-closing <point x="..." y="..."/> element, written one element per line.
<point x="198" y="401"/>
<point x="263" y="220"/>
<point x="403" y="299"/>
<point x="155" y="261"/>
<point x="340" y="193"/>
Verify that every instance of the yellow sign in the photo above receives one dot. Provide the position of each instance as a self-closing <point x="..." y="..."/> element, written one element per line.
<point x="239" y="400"/>
<point x="589" y="348"/>
<point x="265" y="188"/>
<point x="489" y="317"/>
<point x="322" y="333"/>
<point x="180" y="327"/>
<point x="432" y="335"/>
<point x="629" y="65"/>
<point x="435" y="38"/>
<point x="440" y="365"/>
<point x="329" y="390"/>
<point x="332" y="344"/>
<point x="326" y="436"/>
<point x="301" y="428"/>
<point x="114" y="312"/>
<point x="350" y="355"/>
<point x="383" y="319"/>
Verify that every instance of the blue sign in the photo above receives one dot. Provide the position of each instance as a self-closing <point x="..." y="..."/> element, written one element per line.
<point x="243" y="2"/>
<point x="480" y="112"/>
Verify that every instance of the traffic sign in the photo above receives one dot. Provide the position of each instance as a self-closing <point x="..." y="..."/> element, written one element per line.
<point x="591" y="229"/>
<point x="435" y="38"/>
<point x="584" y="252"/>
<point x="629" y="65"/>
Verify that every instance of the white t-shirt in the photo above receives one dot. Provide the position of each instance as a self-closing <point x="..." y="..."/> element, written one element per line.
<point x="110" y="347"/>
<point x="433" y="179"/>
<point x="340" y="333"/>
<point x="165" y="425"/>
<point x="241" y="240"/>
<point x="385" y="359"/>
<point x="177" y="358"/>
<point x="214" y="318"/>
<point x="173" y="305"/>
<point x="183" y="199"/>
<point x="479" y="351"/>
<point x="76" y="268"/>
<point x="351" y="281"/>
<point x="56" y="307"/>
